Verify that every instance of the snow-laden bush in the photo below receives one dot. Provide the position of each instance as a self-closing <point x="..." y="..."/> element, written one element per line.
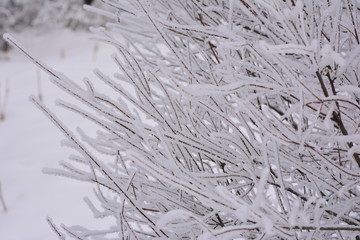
<point x="15" y="16"/>
<point x="65" y="14"/>
<point x="226" y="120"/>
<point x="20" y="15"/>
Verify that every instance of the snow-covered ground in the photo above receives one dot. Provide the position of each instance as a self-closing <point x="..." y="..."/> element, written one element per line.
<point x="29" y="142"/>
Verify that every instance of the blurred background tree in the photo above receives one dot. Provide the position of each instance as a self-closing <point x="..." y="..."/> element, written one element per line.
<point x="20" y="15"/>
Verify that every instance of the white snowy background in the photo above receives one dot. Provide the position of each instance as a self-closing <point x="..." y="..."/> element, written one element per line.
<point x="29" y="142"/>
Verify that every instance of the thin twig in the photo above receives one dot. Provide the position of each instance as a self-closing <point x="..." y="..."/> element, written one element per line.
<point x="2" y="200"/>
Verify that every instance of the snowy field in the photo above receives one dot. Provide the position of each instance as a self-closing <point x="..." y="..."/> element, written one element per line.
<point x="29" y="142"/>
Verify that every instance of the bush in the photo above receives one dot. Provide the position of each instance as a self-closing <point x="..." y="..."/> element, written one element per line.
<point x="242" y="121"/>
<point x="65" y="14"/>
<point x="20" y="15"/>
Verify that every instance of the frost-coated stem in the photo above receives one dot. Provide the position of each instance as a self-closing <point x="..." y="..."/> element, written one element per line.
<point x="4" y="95"/>
<point x="2" y="200"/>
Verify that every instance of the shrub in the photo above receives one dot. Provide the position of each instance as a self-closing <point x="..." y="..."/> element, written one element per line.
<point x="18" y="15"/>
<point x="227" y="119"/>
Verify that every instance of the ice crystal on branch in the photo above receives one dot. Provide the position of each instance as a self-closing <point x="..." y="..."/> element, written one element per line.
<point x="242" y="121"/>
